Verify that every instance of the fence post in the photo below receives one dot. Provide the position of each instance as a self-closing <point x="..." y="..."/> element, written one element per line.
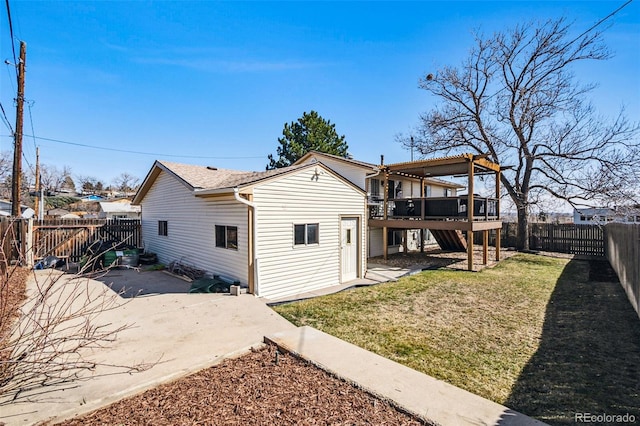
<point x="28" y="242"/>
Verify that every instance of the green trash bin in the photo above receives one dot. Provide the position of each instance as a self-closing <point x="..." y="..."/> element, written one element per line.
<point x="110" y="259"/>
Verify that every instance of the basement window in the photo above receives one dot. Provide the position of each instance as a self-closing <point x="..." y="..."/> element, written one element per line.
<point x="394" y="237"/>
<point x="227" y="237"/>
<point x="163" y="228"/>
<point x="306" y="234"/>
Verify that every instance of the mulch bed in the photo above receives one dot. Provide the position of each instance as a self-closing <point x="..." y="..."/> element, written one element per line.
<point x="12" y="294"/>
<point x="264" y="387"/>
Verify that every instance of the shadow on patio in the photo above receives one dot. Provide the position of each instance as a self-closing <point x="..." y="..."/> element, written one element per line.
<point x="588" y="360"/>
<point x="136" y="282"/>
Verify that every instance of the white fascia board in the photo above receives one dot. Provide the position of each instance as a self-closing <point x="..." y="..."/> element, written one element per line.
<point x="218" y="191"/>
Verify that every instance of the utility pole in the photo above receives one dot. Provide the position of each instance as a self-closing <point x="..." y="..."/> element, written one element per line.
<point x="37" y="199"/>
<point x="17" y="149"/>
<point x="412" y="148"/>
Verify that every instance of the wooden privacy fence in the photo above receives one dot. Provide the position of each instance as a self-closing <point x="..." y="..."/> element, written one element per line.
<point x="567" y="238"/>
<point x="623" y="252"/>
<point x="69" y="239"/>
<point x="555" y="237"/>
<point x="11" y="233"/>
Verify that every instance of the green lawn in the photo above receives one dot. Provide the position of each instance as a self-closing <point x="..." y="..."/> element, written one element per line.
<point x="496" y="333"/>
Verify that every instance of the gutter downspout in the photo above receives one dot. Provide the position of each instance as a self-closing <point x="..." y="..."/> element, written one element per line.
<point x="236" y="194"/>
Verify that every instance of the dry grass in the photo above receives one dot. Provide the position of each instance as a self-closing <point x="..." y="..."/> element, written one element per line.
<point x="478" y="331"/>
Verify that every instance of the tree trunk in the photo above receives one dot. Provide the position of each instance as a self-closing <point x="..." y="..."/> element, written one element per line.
<point x="522" y="238"/>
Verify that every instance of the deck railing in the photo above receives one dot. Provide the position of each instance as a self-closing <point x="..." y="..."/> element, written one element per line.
<point x="435" y="208"/>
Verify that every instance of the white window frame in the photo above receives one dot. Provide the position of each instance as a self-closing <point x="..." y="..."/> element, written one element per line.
<point x="307" y="233"/>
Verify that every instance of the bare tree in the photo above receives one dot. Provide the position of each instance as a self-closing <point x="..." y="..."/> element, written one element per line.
<point x="53" y="179"/>
<point x="126" y="182"/>
<point x="87" y="183"/>
<point x="6" y="165"/>
<point x="515" y="98"/>
<point x="47" y="335"/>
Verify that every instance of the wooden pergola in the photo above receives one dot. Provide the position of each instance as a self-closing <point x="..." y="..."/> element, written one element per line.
<point x="469" y="165"/>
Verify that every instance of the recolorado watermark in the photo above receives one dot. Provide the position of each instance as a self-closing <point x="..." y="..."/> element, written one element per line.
<point x="604" y="418"/>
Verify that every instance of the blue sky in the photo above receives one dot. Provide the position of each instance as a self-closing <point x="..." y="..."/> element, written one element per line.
<point x="213" y="83"/>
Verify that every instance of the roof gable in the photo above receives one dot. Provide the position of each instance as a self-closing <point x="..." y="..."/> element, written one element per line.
<point x="203" y="179"/>
<point x="320" y="155"/>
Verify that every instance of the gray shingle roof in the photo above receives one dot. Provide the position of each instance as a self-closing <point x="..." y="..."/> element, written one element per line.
<point x="203" y="177"/>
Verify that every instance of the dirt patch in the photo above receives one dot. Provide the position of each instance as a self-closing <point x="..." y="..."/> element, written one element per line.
<point x="435" y="258"/>
<point x="262" y="387"/>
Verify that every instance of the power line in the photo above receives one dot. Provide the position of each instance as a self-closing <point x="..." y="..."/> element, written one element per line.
<point x="141" y="152"/>
<point x="5" y="119"/>
<point x="12" y="78"/>
<point x="598" y="23"/>
<point x="24" y="157"/>
<point x="29" y="104"/>
<point x="13" y="44"/>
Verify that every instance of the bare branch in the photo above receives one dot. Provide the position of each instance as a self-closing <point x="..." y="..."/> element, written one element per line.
<point x="46" y="342"/>
<point x="516" y="99"/>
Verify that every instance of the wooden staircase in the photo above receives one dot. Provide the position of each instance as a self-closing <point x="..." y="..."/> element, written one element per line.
<point x="450" y="239"/>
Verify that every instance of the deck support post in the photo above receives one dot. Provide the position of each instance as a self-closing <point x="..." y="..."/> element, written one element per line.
<point x="385" y="216"/>
<point x="405" y="241"/>
<point x="422" y="208"/>
<point x="485" y="246"/>
<point x="470" y="250"/>
<point x="498" y="230"/>
<point x="470" y="216"/>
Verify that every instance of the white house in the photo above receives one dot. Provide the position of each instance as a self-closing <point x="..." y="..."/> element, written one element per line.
<point x="280" y="232"/>
<point x="603" y="215"/>
<point x="5" y="210"/>
<point x="118" y="210"/>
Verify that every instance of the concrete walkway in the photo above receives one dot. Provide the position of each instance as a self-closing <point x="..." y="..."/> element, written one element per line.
<point x="376" y="274"/>
<point x="411" y="390"/>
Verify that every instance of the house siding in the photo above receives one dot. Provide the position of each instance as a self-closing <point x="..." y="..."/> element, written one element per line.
<point x="302" y="198"/>
<point x="375" y="242"/>
<point x="352" y="173"/>
<point x="191" y="228"/>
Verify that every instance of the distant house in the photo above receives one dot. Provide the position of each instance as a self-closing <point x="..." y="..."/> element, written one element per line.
<point x="92" y="197"/>
<point x="5" y="210"/>
<point x="71" y="216"/>
<point x="603" y="215"/>
<point x="118" y="210"/>
<point x="57" y="212"/>
<point x="280" y="232"/>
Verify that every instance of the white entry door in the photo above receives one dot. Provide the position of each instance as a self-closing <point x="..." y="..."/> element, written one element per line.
<point x="349" y="249"/>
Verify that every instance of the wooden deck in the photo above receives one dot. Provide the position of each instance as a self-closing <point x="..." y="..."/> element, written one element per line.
<point x="451" y="216"/>
<point x="462" y="225"/>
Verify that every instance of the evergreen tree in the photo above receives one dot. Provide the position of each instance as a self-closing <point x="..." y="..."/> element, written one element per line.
<point x="310" y="133"/>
